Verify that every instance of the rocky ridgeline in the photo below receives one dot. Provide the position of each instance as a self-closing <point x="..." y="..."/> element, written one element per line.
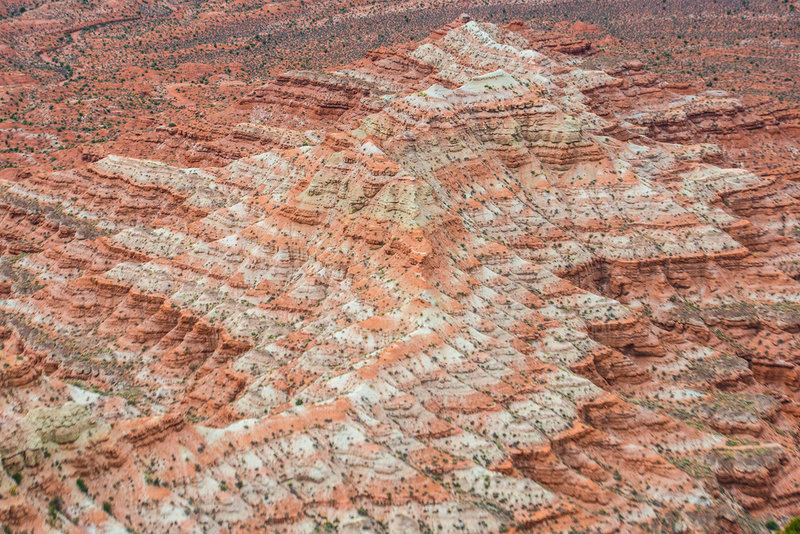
<point x="469" y="284"/>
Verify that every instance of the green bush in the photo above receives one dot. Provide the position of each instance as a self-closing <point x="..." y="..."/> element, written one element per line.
<point x="54" y="507"/>
<point x="793" y="527"/>
<point x="82" y="485"/>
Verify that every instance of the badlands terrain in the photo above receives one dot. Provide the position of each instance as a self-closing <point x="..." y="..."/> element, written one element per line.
<point x="533" y="274"/>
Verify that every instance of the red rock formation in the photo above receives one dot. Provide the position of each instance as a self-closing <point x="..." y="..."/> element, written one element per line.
<point x="487" y="281"/>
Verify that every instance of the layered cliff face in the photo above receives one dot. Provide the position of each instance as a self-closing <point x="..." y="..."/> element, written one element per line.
<point x="474" y="283"/>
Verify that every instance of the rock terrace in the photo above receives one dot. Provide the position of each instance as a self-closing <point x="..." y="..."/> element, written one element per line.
<point x="468" y="284"/>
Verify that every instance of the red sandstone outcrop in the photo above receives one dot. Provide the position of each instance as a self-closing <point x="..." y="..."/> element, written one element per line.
<point x="481" y="282"/>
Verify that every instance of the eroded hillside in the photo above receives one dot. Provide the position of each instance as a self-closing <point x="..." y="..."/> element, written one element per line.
<point x="481" y="282"/>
